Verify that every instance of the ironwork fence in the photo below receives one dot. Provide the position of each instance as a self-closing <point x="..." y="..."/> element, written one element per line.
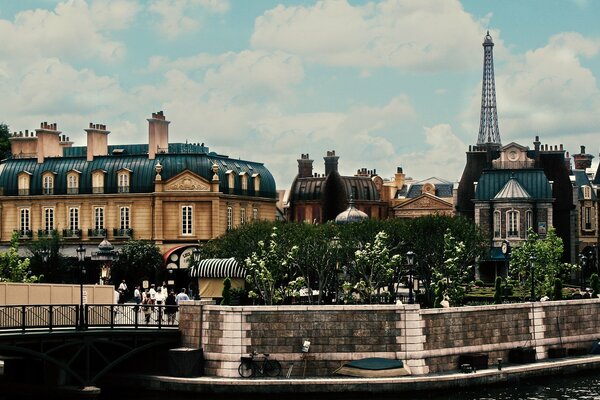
<point x="30" y="317"/>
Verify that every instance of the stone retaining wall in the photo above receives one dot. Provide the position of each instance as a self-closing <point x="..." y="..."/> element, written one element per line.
<point x="430" y="340"/>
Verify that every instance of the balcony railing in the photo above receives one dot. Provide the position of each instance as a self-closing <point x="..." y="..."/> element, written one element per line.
<point x="48" y="190"/>
<point x="72" y="233"/>
<point x="24" y="192"/>
<point x="72" y="190"/>
<point x="24" y="234"/>
<point x="123" y="189"/>
<point x="96" y="233"/>
<point x="123" y="233"/>
<point x="97" y="189"/>
<point x="46" y="233"/>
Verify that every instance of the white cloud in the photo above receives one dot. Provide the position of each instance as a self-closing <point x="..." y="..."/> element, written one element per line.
<point x="177" y="17"/>
<point x="72" y="30"/>
<point x="425" y="35"/>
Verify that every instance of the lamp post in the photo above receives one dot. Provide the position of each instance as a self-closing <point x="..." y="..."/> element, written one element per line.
<point x="410" y="261"/>
<point x="532" y="272"/>
<point x="583" y="263"/>
<point x="81" y="258"/>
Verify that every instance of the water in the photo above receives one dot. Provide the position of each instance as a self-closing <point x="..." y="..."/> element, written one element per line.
<point x="580" y="387"/>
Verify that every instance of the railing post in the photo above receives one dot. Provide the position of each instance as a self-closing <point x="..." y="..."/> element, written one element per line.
<point x="136" y="318"/>
<point x="50" y="315"/>
<point x="159" y="316"/>
<point x="112" y="316"/>
<point x="23" y="317"/>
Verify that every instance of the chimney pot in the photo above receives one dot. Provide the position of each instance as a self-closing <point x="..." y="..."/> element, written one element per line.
<point x="582" y="149"/>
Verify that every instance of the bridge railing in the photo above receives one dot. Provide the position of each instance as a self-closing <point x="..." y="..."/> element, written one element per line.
<point x="24" y="317"/>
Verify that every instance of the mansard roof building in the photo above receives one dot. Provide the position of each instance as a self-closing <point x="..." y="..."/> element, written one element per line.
<point x="174" y="194"/>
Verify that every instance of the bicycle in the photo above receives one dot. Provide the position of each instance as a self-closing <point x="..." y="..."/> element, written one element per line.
<point x="251" y="365"/>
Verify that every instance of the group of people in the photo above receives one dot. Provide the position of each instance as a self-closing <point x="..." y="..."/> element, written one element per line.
<point x="155" y="296"/>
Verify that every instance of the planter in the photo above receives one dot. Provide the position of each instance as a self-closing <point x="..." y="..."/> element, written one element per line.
<point x="521" y="355"/>
<point x="477" y="361"/>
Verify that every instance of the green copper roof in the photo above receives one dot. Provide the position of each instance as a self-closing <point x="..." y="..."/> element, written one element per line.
<point x="135" y="158"/>
<point x="532" y="181"/>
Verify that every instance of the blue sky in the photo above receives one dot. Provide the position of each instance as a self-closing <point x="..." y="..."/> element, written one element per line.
<point x="385" y="84"/>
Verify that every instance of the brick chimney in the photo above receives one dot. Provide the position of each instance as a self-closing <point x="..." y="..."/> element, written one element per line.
<point x="97" y="141"/>
<point x="23" y="144"/>
<point x="48" y="142"/>
<point x="583" y="160"/>
<point x="331" y="162"/>
<point x="399" y="178"/>
<point x="158" y="135"/>
<point x="305" y="166"/>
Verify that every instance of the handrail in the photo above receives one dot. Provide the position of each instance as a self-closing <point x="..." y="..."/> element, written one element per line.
<point x="43" y="316"/>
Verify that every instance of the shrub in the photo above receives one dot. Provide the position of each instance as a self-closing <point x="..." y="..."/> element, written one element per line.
<point x="595" y="284"/>
<point x="498" y="292"/>
<point x="479" y="283"/>
<point x="557" y="294"/>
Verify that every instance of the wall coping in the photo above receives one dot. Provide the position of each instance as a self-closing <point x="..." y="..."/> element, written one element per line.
<point x="360" y="307"/>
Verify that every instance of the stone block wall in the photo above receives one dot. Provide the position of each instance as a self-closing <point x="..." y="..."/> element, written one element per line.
<point x="429" y="340"/>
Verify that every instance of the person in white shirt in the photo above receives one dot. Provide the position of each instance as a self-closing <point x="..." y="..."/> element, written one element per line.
<point x="152" y="293"/>
<point x="181" y="296"/>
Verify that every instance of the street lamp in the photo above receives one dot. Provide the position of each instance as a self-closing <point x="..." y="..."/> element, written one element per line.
<point x="196" y="255"/>
<point x="410" y="261"/>
<point x="583" y="263"/>
<point x="45" y="253"/>
<point x="531" y="272"/>
<point x="81" y="258"/>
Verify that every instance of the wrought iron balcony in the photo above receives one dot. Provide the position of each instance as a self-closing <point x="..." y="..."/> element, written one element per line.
<point x="123" y="189"/>
<point x="97" y="233"/>
<point x="72" y="233"/>
<point x="46" y="233"/>
<point x="72" y="190"/>
<point x="24" y="192"/>
<point x="97" y="189"/>
<point x="24" y="234"/>
<point x="48" y="190"/>
<point x="123" y="233"/>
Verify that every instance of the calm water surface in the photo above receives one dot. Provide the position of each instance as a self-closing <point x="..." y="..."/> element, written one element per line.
<point x="582" y="387"/>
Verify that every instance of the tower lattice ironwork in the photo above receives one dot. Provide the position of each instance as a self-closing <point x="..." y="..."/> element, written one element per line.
<point x="488" y="126"/>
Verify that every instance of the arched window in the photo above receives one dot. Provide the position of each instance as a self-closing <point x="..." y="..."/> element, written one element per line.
<point x="256" y="179"/>
<point x="497" y="224"/>
<point x="230" y="180"/>
<point x="512" y="224"/>
<point x="24" y="183"/>
<point x="187" y="220"/>
<point x="98" y="181"/>
<point x="73" y="182"/>
<point x="123" y="178"/>
<point x="244" y="179"/>
<point x="587" y="192"/>
<point x="48" y="183"/>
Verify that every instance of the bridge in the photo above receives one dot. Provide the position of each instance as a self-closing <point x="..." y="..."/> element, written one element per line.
<point x="66" y="344"/>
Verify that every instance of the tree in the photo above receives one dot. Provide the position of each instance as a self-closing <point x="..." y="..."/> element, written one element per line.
<point x="138" y="260"/>
<point x="374" y="265"/>
<point x="56" y="268"/>
<point x="14" y="268"/>
<point x="4" y="141"/>
<point x="543" y="258"/>
<point x="498" y="291"/>
<point x="455" y="271"/>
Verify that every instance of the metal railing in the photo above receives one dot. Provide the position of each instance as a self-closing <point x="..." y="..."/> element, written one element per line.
<point x="37" y="317"/>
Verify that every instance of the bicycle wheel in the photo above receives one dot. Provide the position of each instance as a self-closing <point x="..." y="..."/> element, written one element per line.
<point x="245" y="370"/>
<point x="272" y="368"/>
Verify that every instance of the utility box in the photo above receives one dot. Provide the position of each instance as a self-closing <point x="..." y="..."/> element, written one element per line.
<point x="185" y="362"/>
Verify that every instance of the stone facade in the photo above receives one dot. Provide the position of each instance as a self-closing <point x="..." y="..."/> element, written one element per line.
<point x="430" y="340"/>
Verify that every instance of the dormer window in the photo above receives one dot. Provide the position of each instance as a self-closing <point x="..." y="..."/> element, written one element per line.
<point x="123" y="179"/>
<point x="587" y="192"/>
<point x="98" y="181"/>
<point x="48" y="183"/>
<point x="244" y="179"/>
<point x="24" y="179"/>
<point x="230" y="179"/>
<point x="73" y="182"/>
<point x="256" y="179"/>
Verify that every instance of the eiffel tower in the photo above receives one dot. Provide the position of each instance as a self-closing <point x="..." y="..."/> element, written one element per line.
<point x="489" y="134"/>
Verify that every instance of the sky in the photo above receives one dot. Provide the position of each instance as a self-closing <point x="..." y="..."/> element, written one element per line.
<point x="386" y="84"/>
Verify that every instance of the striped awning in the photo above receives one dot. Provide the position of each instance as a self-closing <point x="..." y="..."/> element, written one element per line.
<point x="218" y="268"/>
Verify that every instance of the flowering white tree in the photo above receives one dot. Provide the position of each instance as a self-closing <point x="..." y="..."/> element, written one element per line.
<point x="450" y="277"/>
<point x="374" y="266"/>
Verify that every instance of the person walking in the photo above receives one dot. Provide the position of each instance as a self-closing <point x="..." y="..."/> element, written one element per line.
<point x="181" y="296"/>
<point x="147" y="308"/>
<point x="171" y="308"/>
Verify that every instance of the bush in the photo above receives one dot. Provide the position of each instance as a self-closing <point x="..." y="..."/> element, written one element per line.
<point x="595" y="284"/>
<point x="498" y="292"/>
<point x="226" y="301"/>
<point x="557" y="294"/>
<point x="479" y="283"/>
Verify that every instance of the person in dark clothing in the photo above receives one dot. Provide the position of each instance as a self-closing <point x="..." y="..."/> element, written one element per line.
<point x="171" y="308"/>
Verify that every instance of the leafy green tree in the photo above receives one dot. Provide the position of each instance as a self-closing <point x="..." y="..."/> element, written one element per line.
<point x="267" y="270"/>
<point x="138" y="260"/>
<point x="455" y="271"/>
<point x="374" y="265"/>
<point x="56" y="268"/>
<point x="545" y="254"/>
<point x="4" y="141"/>
<point x="13" y="268"/>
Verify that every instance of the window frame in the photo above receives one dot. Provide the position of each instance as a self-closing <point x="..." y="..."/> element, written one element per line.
<point x="24" y="183"/>
<point x="229" y="218"/>
<point x="497" y="224"/>
<point x="187" y="220"/>
<point x="48" y="218"/>
<point x="24" y="223"/>
<point x="99" y="218"/>
<point x="123" y="181"/>
<point x="74" y="220"/>
<point x="124" y="220"/>
<point x="98" y="181"/>
<point x="47" y="183"/>
<point x="512" y="218"/>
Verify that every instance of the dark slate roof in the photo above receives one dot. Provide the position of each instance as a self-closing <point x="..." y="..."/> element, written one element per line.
<point x="534" y="181"/>
<point x="582" y="179"/>
<point x="512" y="190"/>
<point x="191" y="157"/>
<point x="312" y="188"/>
<point x="441" y="190"/>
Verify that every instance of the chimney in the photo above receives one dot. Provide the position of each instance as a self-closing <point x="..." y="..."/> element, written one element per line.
<point x="331" y="162"/>
<point x="583" y="160"/>
<point x="48" y="142"/>
<point x="65" y="142"/>
<point x="305" y="166"/>
<point x="158" y="135"/>
<point x="399" y="178"/>
<point x="97" y="141"/>
<point x="23" y="145"/>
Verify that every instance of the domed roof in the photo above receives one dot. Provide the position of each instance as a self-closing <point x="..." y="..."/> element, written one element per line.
<point x="352" y="214"/>
<point x="105" y="246"/>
